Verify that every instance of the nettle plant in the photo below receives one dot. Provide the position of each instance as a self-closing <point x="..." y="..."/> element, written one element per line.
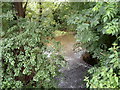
<point x="24" y="62"/>
<point x="97" y="29"/>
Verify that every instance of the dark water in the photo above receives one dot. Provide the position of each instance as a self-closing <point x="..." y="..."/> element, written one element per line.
<point x="76" y="69"/>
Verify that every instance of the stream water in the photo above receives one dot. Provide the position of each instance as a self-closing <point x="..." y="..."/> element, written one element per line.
<point x="75" y="71"/>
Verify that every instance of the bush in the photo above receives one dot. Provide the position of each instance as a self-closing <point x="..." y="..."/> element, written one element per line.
<point x="107" y="75"/>
<point x="97" y="29"/>
<point x="24" y="62"/>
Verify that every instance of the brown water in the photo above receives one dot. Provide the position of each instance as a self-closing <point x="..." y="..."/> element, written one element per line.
<point x="67" y="41"/>
<point x="76" y="69"/>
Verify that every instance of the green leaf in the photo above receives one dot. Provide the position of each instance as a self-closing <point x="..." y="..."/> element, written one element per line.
<point x="111" y="56"/>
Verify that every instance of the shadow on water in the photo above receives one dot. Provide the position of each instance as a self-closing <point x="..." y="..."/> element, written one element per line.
<point x="76" y="69"/>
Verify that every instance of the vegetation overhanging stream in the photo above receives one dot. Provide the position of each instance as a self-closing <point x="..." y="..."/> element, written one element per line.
<point x="76" y="69"/>
<point x="28" y="28"/>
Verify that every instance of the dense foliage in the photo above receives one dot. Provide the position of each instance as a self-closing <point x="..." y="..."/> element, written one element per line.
<point x="25" y="63"/>
<point x="98" y="27"/>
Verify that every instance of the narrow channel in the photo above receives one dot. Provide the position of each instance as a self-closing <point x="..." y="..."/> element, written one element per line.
<point x="75" y="71"/>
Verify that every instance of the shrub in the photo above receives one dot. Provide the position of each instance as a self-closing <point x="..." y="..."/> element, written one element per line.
<point x="97" y="29"/>
<point x="24" y="62"/>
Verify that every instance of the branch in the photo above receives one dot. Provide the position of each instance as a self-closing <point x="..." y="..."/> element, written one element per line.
<point x="25" y="5"/>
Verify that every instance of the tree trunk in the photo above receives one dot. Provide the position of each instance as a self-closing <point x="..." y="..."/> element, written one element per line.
<point x="20" y="9"/>
<point x="40" y="3"/>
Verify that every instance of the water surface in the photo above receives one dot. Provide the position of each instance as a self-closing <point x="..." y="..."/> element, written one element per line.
<point x="76" y="69"/>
